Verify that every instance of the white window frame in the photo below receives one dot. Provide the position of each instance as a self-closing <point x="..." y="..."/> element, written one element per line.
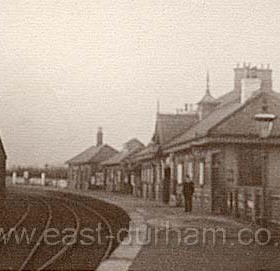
<point x="201" y="173"/>
<point x="180" y="173"/>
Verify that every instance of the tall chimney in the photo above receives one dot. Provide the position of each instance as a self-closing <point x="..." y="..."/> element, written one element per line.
<point x="99" y="136"/>
<point x="265" y="74"/>
<point x="248" y="87"/>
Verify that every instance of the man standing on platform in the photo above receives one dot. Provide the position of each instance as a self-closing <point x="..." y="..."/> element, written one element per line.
<point x="188" y="190"/>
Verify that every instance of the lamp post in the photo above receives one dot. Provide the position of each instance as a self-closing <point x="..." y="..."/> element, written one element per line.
<point x="266" y="123"/>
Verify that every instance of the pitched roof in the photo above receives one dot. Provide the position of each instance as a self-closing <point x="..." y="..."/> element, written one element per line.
<point x="120" y="157"/>
<point x="132" y="144"/>
<point x="228" y="103"/>
<point x="170" y="125"/>
<point x="230" y="106"/>
<point x="230" y="97"/>
<point x="241" y="123"/>
<point x="201" y="128"/>
<point x="131" y="147"/>
<point x="146" y="153"/>
<point x="208" y="98"/>
<point x="94" y="154"/>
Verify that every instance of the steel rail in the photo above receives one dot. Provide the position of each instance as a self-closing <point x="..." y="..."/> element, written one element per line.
<point x="78" y="225"/>
<point x="65" y="247"/>
<point x="20" y="221"/>
<point x="38" y="243"/>
<point x="94" y="212"/>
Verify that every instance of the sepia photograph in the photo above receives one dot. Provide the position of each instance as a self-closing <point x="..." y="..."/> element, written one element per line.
<point x="140" y="135"/>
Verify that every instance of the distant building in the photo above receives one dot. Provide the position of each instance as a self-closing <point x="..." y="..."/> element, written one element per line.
<point x="84" y="170"/>
<point x="118" y="170"/>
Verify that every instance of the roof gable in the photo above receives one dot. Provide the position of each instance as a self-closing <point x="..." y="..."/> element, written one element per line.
<point x="132" y="144"/>
<point x="169" y="126"/>
<point x="132" y="147"/>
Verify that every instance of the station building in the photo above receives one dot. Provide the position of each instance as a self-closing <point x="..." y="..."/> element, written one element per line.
<point x="229" y="146"/>
<point x="225" y="153"/>
<point x="232" y="157"/>
<point x="85" y="170"/>
<point x="118" y="171"/>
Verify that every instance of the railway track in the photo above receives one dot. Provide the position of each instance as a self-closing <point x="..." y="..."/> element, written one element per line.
<point x="57" y="213"/>
<point x="9" y="217"/>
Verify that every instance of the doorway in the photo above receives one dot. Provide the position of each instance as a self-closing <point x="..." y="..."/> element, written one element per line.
<point x="219" y="199"/>
<point x="166" y="185"/>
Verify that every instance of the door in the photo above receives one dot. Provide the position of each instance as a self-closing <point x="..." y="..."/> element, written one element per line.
<point x="166" y="185"/>
<point x="219" y="199"/>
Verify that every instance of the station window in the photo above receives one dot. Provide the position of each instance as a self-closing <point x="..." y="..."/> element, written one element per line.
<point x="201" y="173"/>
<point x="179" y="173"/>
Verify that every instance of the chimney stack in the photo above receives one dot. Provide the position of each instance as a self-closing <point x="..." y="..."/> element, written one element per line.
<point x="99" y="137"/>
<point x="263" y="73"/>
<point x="249" y="86"/>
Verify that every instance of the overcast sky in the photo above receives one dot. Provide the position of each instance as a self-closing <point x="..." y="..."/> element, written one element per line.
<point x="69" y="66"/>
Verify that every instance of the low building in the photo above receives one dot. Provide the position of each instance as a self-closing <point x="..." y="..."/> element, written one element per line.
<point x="148" y="164"/>
<point x="118" y="170"/>
<point x="85" y="170"/>
<point x="234" y="166"/>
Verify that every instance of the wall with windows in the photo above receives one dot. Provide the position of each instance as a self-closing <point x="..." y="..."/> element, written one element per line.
<point x="149" y="180"/>
<point x="197" y="165"/>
